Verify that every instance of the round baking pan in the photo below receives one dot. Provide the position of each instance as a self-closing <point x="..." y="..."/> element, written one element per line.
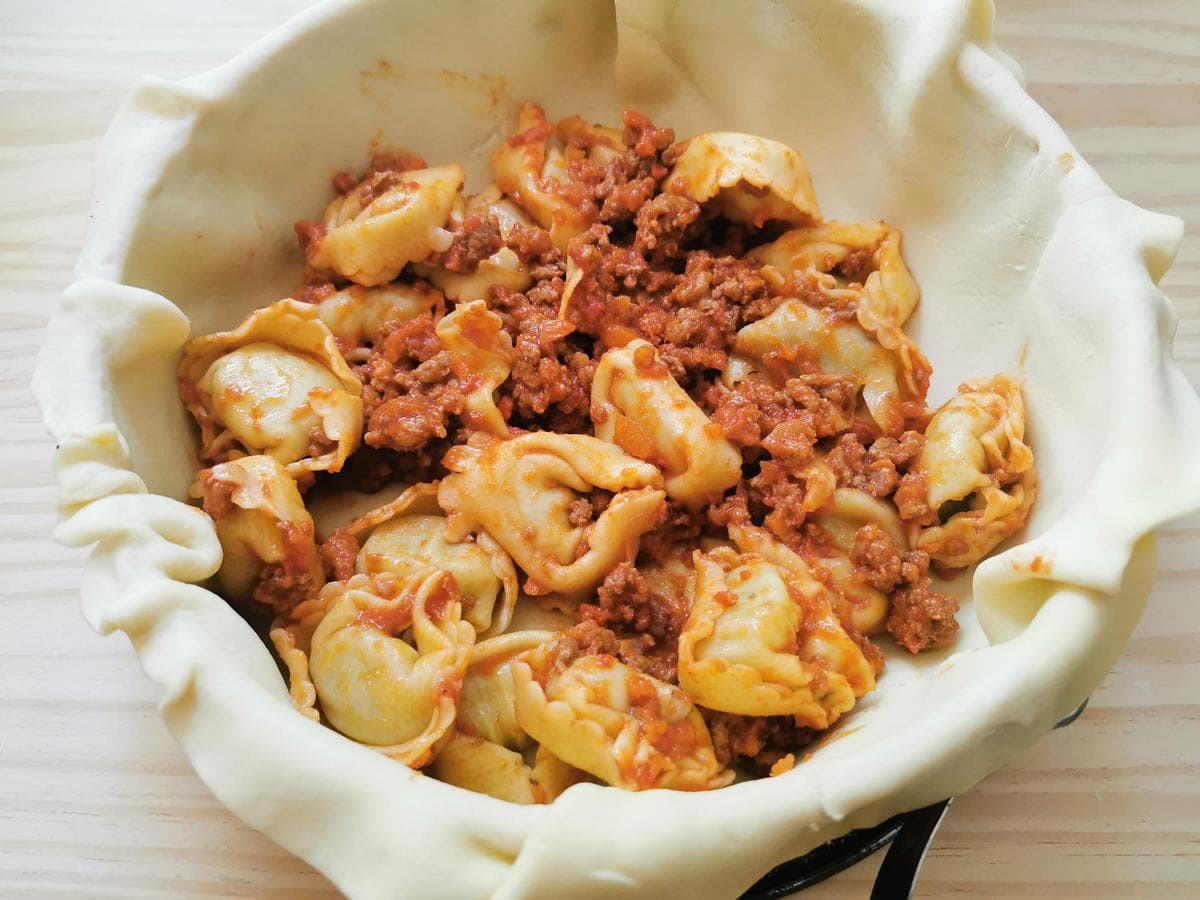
<point x="910" y="835"/>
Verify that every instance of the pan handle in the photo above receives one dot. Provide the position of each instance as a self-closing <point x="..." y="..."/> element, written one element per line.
<point x="897" y="877"/>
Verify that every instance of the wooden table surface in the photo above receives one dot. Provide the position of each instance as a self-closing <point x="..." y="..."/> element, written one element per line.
<point x="96" y="798"/>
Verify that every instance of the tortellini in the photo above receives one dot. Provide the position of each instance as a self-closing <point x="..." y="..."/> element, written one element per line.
<point x="748" y="179"/>
<point x="487" y="706"/>
<point x="487" y="768"/>
<point x="410" y="533"/>
<point x="483" y="353"/>
<point x="388" y="221"/>
<point x="637" y="405"/>
<point x="291" y="636"/>
<point x="624" y="727"/>
<point x="375" y="687"/>
<point x="532" y="521"/>
<point x="975" y="456"/>
<point x="261" y="521"/>
<point x="743" y="650"/>
<point x="358" y="315"/>
<point x="889" y="294"/>
<point x="276" y="385"/>
<point x="823" y="636"/>
<point x="601" y="144"/>
<point x="535" y="175"/>
<point x="502" y="268"/>
<point x="795" y="337"/>
<point x="861" y="606"/>
<point x="486" y="753"/>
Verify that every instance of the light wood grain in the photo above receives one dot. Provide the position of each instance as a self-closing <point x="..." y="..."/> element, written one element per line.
<point x="97" y="800"/>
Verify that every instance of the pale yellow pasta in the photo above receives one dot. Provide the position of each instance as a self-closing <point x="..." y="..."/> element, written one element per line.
<point x="376" y="688"/>
<point x="542" y="614"/>
<point x="747" y="179"/>
<point x="823" y="636"/>
<point x="482" y="352"/>
<point x="637" y="405"/>
<point x="794" y="336"/>
<point x="861" y="606"/>
<point x="275" y="385"/>
<point x="821" y="247"/>
<point x="291" y="636"/>
<point x="487" y="708"/>
<point x="975" y="454"/>
<point x="503" y="267"/>
<point x="616" y="723"/>
<point x="488" y="768"/>
<point x="741" y="652"/>
<point x="673" y="576"/>
<point x="582" y="607"/>
<point x="357" y="315"/>
<point x="409" y="534"/>
<point x="552" y="776"/>
<point x="261" y="521"/>
<point x="526" y="168"/>
<point x="889" y="294"/>
<point x="519" y="491"/>
<point x="387" y="222"/>
<point x="893" y="291"/>
<point x="601" y="144"/>
<point x="484" y="767"/>
<point x="509" y="216"/>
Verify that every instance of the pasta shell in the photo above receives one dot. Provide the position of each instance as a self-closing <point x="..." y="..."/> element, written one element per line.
<point x="822" y="637"/>
<point x="527" y="168"/>
<point x="276" y="385"/>
<point x="616" y="723"/>
<point x="796" y="338"/>
<point x="291" y="636"/>
<point x="503" y="268"/>
<point x="487" y="707"/>
<point x="637" y="405"/>
<point x="484" y="767"/>
<point x="357" y="315"/>
<point x="261" y="521"/>
<point x="378" y="689"/>
<point x="740" y="651"/>
<point x="861" y="606"/>
<point x="410" y="534"/>
<point x="747" y="179"/>
<point x="519" y="491"/>
<point x="483" y="353"/>
<point x="975" y="452"/>
<point x="601" y="144"/>
<point x="388" y="221"/>
<point x="488" y="768"/>
<point x="889" y="294"/>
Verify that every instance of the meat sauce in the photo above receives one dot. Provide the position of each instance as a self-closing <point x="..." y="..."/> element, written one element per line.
<point x="654" y="265"/>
